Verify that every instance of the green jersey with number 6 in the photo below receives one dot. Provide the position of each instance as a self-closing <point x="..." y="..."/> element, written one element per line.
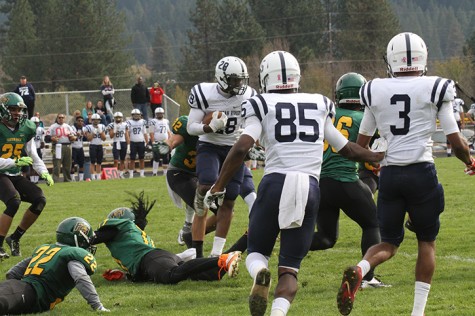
<point x="12" y="143"/>
<point x="184" y="157"/>
<point x="129" y="245"/>
<point x="334" y="165"/>
<point x="48" y="272"/>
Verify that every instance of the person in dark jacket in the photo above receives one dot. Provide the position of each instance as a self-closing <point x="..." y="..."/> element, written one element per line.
<point x="27" y="93"/>
<point x="140" y="97"/>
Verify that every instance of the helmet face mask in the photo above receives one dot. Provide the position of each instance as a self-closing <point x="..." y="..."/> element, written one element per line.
<point x="12" y="108"/>
<point x="231" y="75"/>
<point x="75" y="232"/>
<point x="118" y="116"/>
<point x="279" y="70"/>
<point x="136" y="114"/>
<point x="347" y="91"/>
<point x="406" y="52"/>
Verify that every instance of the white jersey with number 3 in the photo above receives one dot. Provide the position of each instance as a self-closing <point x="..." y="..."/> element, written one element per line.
<point x="292" y="130"/>
<point x="404" y="110"/>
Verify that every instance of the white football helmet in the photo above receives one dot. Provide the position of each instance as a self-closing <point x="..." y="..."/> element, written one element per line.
<point x="406" y="52"/>
<point x="472" y="107"/>
<point x="279" y="70"/>
<point x="159" y="110"/>
<point x="136" y="114"/>
<point x="231" y="75"/>
<point x="95" y="116"/>
<point x="35" y="119"/>
<point x="118" y="114"/>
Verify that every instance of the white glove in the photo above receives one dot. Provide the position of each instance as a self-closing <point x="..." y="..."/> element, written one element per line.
<point x="379" y="145"/>
<point x="216" y="123"/>
<point x="214" y="200"/>
<point x="102" y="309"/>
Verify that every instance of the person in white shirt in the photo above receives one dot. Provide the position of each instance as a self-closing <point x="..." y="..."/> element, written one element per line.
<point x="95" y="134"/>
<point x="159" y="130"/>
<point x="291" y="126"/>
<point x="119" y="133"/>
<point x="61" y="135"/>
<point x="457" y="106"/>
<point x="138" y="138"/>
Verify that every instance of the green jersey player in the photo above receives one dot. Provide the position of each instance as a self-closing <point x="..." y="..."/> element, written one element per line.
<point x="39" y="283"/>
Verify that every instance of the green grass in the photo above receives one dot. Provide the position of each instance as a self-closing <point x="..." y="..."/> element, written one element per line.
<point x="320" y="275"/>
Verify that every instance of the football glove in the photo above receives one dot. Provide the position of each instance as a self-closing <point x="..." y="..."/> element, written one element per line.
<point x="470" y="168"/>
<point x="47" y="177"/>
<point x="216" y="123"/>
<point x="214" y="200"/>
<point x="257" y="153"/>
<point x="23" y="161"/>
<point x="379" y="145"/>
<point x="161" y="147"/>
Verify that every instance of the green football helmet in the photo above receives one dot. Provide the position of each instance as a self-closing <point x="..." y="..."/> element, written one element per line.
<point x="347" y="92"/>
<point x="122" y="212"/>
<point x="76" y="232"/>
<point x="11" y="99"/>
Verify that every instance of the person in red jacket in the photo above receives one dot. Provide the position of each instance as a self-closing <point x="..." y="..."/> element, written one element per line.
<point x="156" y="93"/>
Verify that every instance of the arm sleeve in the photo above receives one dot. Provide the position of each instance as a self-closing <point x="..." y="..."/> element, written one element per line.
<point x="447" y="119"/>
<point x="38" y="164"/>
<point x="368" y="123"/>
<point x="6" y="163"/>
<point x="194" y="126"/>
<point x="84" y="284"/>
<point x="252" y="127"/>
<point x="104" y="234"/>
<point x="333" y="136"/>
<point x="16" y="272"/>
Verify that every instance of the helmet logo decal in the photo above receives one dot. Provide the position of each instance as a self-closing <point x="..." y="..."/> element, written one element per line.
<point x="82" y="228"/>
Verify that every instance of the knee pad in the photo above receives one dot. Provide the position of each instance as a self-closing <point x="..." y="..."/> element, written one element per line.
<point x="38" y="205"/>
<point x="12" y="206"/>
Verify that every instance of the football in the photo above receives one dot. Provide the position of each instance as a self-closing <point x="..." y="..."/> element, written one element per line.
<point x="209" y="116"/>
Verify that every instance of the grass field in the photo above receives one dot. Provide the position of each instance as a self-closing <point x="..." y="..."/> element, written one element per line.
<point x="452" y="292"/>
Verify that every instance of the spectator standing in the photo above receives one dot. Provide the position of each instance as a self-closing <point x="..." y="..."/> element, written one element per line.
<point x="119" y="133"/>
<point x="404" y="108"/>
<point x="40" y="144"/>
<point x="78" y="149"/>
<point x="27" y="92"/>
<point x="140" y="97"/>
<point x="61" y="135"/>
<point x="156" y="96"/>
<point x="159" y="130"/>
<point x="88" y="108"/>
<point x="95" y="134"/>
<point x="107" y="90"/>
<point x="16" y="151"/>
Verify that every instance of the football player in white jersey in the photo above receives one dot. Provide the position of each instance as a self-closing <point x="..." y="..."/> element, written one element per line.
<point x="119" y="133"/>
<point x="404" y="109"/>
<point x="95" y="134"/>
<point x="215" y="141"/>
<point x="138" y="138"/>
<point x="78" y="149"/>
<point x="159" y="129"/>
<point x="291" y="126"/>
<point x="457" y="106"/>
<point x="40" y="144"/>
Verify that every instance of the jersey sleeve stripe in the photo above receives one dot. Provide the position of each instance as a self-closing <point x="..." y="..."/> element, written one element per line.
<point x="264" y="104"/>
<point x="442" y="93"/>
<point x="363" y="93"/>
<point x="369" y="92"/>
<point x="203" y="98"/>
<point x="198" y="103"/>
<point x="256" y="108"/>
<point x="434" y="90"/>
